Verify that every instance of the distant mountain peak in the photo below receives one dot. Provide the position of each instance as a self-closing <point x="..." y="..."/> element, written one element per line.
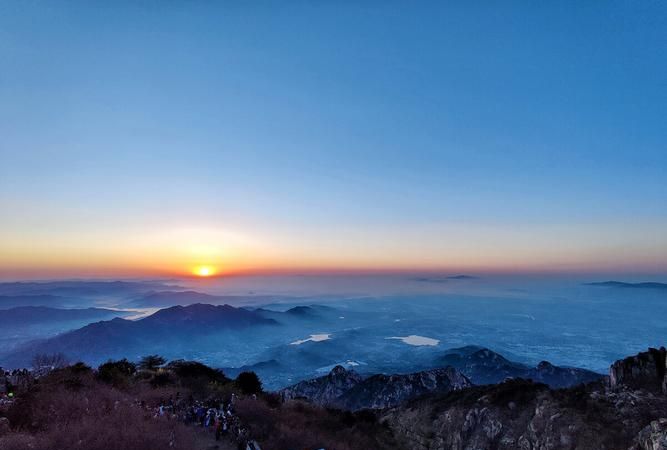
<point x="118" y="319"/>
<point x="443" y="279"/>
<point x="622" y="284"/>
<point x="485" y="353"/>
<point x="340" y="371"/>
<point x="206" y="314"/>
<point x="300" y="311"/>
<point x="167" y="328"/>
<point x="628" y="413"/>
<point x="484" y="366"/>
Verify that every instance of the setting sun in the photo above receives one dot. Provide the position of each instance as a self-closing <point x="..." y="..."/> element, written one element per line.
<point x="204" y="271"/>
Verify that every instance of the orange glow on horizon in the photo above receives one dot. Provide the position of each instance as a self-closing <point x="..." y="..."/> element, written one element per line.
<point x="214" y="251"/>
<point x="204" y="271"/>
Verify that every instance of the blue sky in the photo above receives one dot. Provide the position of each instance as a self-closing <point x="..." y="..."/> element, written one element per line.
<point x="314" y="128"/>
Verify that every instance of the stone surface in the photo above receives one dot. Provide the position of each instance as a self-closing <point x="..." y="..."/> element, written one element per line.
<point x="348" y="390"/>
<point x="653" y="437"/>
<point x="646" y="370"/>
<point x="520" y="414"/>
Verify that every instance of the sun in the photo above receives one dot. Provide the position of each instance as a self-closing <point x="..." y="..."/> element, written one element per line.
<point x="204" y="271"/>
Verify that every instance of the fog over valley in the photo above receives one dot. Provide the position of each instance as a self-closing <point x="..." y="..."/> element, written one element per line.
<point x="402" y="324"/>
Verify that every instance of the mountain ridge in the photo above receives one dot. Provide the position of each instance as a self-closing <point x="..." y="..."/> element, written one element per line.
<point x="346" y="389"/>
<point x="119" y="337"/>
<point x="622" y="284"/>
<point x="22" y="315"/>
<point x="623" y="411"/>
<point x="484" y="366"/>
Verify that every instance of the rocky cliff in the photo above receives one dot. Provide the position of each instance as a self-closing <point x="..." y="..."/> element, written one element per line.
<point x="324" y="390"/>
<point x="647" y="370"/>
<point x="382" y="391"/>
<point x="627" y="412"/>
<point x="653" y="436"/>
<point x="346" y="389"/>
<point x="463" y="367"/>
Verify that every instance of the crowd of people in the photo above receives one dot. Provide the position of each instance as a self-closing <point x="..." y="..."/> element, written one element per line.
<point x="215" y="416"/>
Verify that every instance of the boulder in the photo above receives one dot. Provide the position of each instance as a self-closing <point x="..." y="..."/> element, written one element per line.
<point x="653" y="437"/>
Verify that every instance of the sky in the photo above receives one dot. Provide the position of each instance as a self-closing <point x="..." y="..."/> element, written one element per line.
<point x="154" y="137"/>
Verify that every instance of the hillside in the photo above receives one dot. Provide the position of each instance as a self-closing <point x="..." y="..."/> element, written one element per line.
<point x="167" y="298"/>
<point x="29" y="315"/>
<point x="81" y="289"/>
<point x="174" y="328"/>
<point x="622" y="284"/>
<point x="484" y="366"/>
<point x="460" y="367"/>
<point x="180" y="405"/>
<point x="621" y="414"/>
<point x="152" y="408"/>
<point x="346" y="389"/>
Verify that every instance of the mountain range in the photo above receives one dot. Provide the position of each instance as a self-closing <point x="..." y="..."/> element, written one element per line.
<point x="621" y="284"/>
<point x="463" y="367"/>
<point x="442" y="409"/>
<point x="163" y="299"/>
<point x="76" y="293"/>
<point x="347" y="389"/>
<point x="627" y="410"/>
<point x="47" y="300"/>
<point x="80" y="288"/>
<point x="30" y="315"/>
<point x="173" y="328"/>
<point x="483" y="366"/>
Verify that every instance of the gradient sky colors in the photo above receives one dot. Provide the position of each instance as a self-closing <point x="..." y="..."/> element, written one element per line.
<point x="146" y="138"/>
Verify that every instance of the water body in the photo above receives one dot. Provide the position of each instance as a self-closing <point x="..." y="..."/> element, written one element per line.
<point x="527" y="319"/>
<point x="313" y="338"/>
<point x="417" y="341"/>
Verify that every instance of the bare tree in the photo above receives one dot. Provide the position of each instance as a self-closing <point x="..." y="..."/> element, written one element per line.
<point x="49" y="361"/>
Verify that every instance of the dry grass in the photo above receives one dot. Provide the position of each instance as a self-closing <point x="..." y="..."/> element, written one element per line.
<point x="73" y="408"/>
<point x="299" y="425"/>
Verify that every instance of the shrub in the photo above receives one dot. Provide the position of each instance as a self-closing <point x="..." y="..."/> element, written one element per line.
<point x="52" y="361"/>
<point x="298" y="424"/>
<point x="79" y="368"/>
<point x="201" y="379"/>
<point x="117" y="373"/>
<point x="151" y="362"/>
<point x="95" y="416"/>
<point x="249" y="383"/>
<point x="185" y="370"/>
<point x="161" y="379"/>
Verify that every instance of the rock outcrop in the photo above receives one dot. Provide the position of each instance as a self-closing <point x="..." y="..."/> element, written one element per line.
<point x="382" y="391"/>
<point x="521" y="414"/>
<point x="346" y="389"/>
<point x="647" y="370"/>
<point x="653" y="437"/>
<point x="324" y="390"/>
